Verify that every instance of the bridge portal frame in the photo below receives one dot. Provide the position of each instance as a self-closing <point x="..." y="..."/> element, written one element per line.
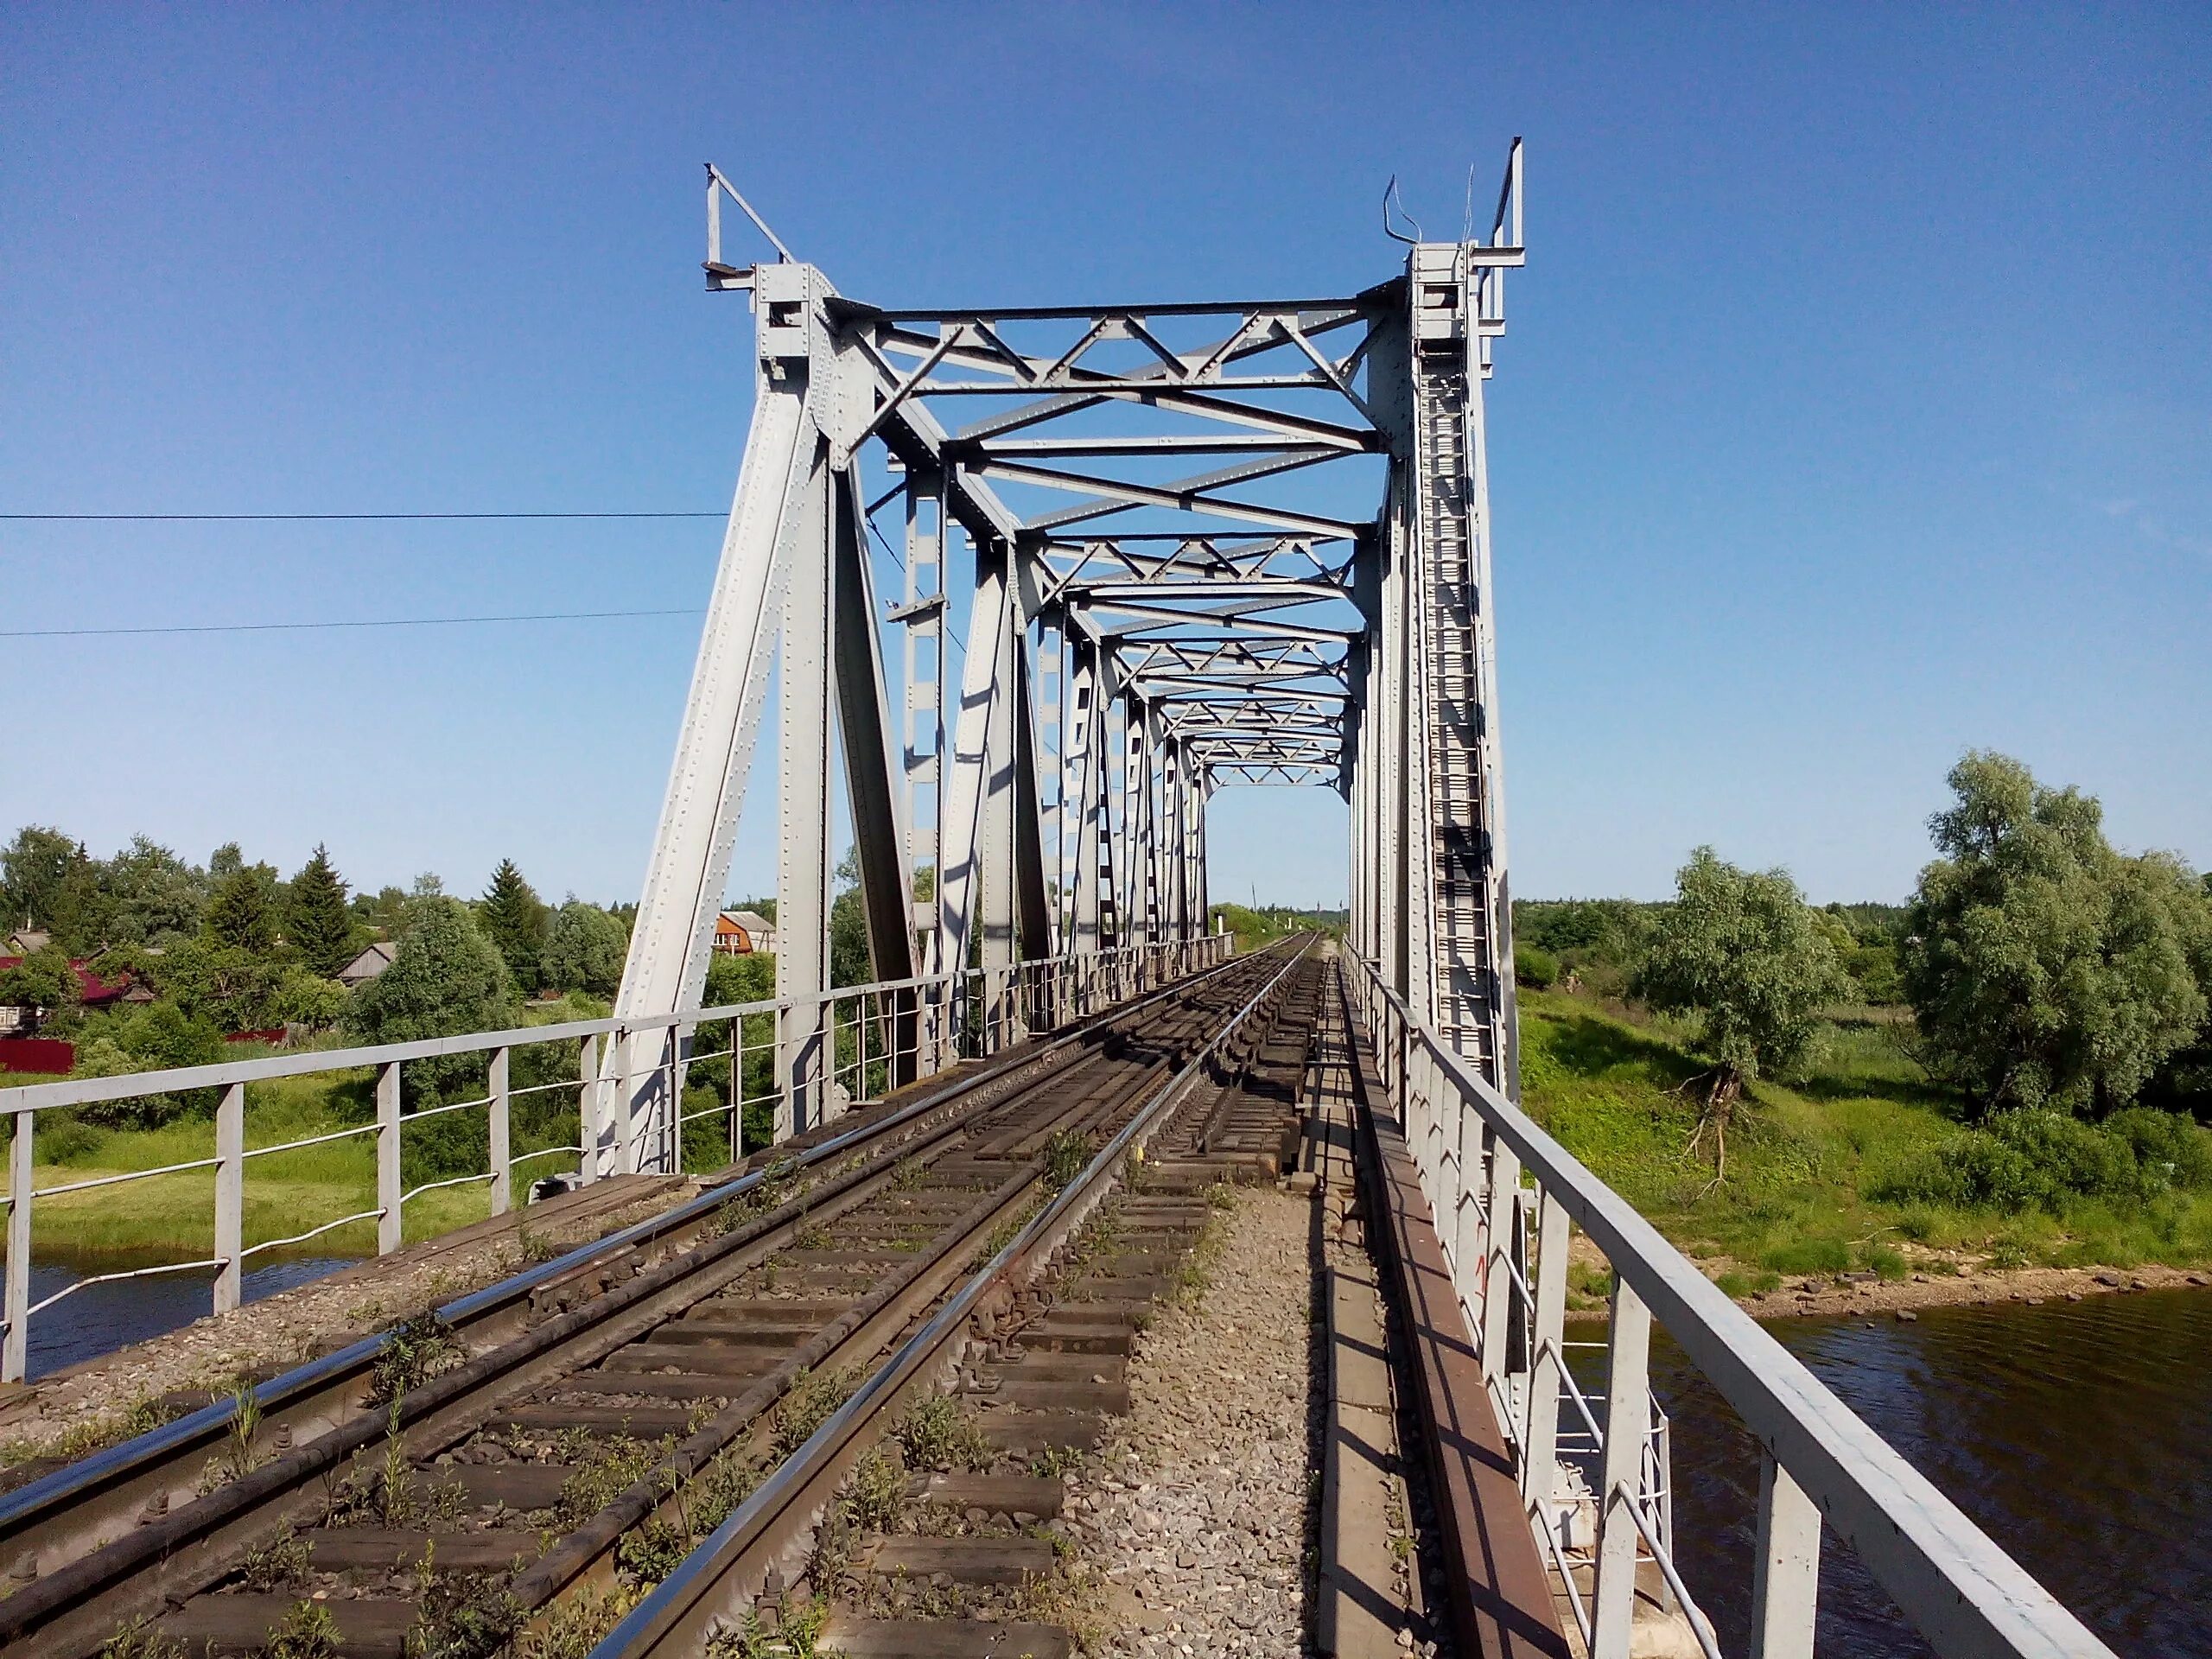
<point x="1138" y="635"/>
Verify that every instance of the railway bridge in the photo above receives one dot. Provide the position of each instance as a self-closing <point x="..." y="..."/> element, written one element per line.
<point x="1020" y="588"/>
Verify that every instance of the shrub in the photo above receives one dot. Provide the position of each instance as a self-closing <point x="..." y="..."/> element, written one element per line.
<point x="2037" y="1158"/>
<point x="446" y="980"/>
<point x="157" y="1038"/>
<point x="1809" y="1256"/>
<point x="2167" y="1144"/>
<point x="1537" y="969"/>
<point x="63" y="1138"/>
<point x="1887" y="1262"/>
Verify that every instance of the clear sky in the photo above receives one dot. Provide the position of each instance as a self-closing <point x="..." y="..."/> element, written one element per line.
<point x="1856" y="406"/>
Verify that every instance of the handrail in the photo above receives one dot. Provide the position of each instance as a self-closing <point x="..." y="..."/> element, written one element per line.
<point x="86" y="1091"/>
<point x="972" y="1012"/>
<point x="1962" y="1591"/>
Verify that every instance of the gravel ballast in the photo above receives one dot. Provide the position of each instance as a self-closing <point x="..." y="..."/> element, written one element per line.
<point x="1194" y="1519"/>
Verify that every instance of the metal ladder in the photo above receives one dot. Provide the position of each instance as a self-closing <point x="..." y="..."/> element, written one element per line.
<point x="1459" y="855"/>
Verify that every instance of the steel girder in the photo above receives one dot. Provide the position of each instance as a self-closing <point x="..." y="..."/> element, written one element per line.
<point x="1190" y="545"/>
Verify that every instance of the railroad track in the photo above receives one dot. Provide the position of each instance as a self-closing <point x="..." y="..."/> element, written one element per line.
<point x="942" y="1546"/>
<point x="518" y="1465"/>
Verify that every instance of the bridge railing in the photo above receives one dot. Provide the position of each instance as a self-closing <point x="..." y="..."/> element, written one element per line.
<point x="1484" y="1161"/>
<point x="621" y="1086"/>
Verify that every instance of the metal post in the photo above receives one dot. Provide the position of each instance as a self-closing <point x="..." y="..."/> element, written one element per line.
<point x="17" y="1349"/>
<point x="1540" y="1440"/>
<point x="590" y="1133"/>
<point x="1786" y="1572"/>
<point x="736" y="1087"/>
<point x="230" y="1196"/>
<point x="1503" y="1222"/>
<point x="1628" y="1424"/>
<point x="1471" y="1216"/>
<point x="501" y="1135"/>
<point x="390" y="1230"/>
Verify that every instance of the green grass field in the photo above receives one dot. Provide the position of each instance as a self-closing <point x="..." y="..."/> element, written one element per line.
<point x="1804" y="1157"/>
<point x="171" y="1217"/>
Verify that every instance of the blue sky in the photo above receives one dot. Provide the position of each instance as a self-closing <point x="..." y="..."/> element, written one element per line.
<point x="1856" y="406"/>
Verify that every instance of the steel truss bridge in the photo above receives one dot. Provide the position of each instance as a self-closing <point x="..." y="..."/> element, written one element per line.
<point x="1193" y="544"/>
<point x="1142" y="553"/>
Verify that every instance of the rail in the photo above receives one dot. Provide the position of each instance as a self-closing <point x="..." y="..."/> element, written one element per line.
<point x="1482" y="1159"/>
<point x="711" y="1583"/>
<point x="799" y="1062"/>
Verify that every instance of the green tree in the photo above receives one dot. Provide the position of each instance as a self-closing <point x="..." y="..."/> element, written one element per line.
<point x="1741" y="953"/>
<point x="48" y="879"/>
<point x="44" y="982"/>
<point x="446" y="980"/>
<point x="243" y="913"/>
<point x="384" y="911"/>
<point x="515" y="919"/>
<point x="585" y="949"/>
<point x="317" y="923"/>
<point x="848" y="953"/>
<point x="230" y="986"/>
<point x="148" y="895"/>
<point x="2044" y="968"/>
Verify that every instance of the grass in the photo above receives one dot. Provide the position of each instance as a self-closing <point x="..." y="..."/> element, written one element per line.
<point x="171" y="1217"/>
<point x="1805" y="1157"/>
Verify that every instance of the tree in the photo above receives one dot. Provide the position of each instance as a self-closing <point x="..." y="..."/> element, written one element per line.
<point x="244" y="912"/>
<point x="150" y="896"/>
<point x="1740" y="952"/>
<point x="232" y="987"/>
<point x="317" y="923"/>
<point x="2044" y="968"/>
<point x="514" y="919"/>
<point x="447" y="979"/>
<point x="384" y="911"/>
<point x="44" y="982"/>
<point x="585" y="949"/>
<point x="48" y="879"/>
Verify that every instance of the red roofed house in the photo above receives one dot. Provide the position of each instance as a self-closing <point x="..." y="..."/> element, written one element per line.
<point x="740" y="932"/>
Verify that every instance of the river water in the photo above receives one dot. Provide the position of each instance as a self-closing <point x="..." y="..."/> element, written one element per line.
<point x="2077" y="1434"/>
<point x="100" y="1319"/>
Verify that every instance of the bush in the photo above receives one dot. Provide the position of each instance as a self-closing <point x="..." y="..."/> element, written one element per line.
<point x="1537" y="969"/>
<point x="1809" y="1256"/>
<point x="2034" y="1157"/>
<point x="2168" y="1146"/>
<point x="64" y="1137"/>
<point x="157" y="1038"/>
<point x="446" y="980"/>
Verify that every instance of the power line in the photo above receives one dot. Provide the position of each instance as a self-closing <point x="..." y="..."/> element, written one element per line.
<point x="309" y="517"/>
<point x="379" y="622"/>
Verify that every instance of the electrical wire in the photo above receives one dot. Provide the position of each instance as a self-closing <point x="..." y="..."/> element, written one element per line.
<point x="310" y="517"/>
<point x="376" y="622"/>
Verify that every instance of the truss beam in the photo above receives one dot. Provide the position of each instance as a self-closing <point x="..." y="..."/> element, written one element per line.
<point x="1149" y="551"/>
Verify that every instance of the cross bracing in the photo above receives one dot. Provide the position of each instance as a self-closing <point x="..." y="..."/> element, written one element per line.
<point x="1040" y="580"/>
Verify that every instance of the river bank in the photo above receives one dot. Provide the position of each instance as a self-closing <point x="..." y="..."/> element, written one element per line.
<point x="1936" y="1282"/>
<point x="1826" y="1190"/>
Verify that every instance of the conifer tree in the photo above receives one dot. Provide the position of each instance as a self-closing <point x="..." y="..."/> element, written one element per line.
<point x="514" y="919"/>
<point x="244" y="911"/>
<point x="317" y="923"/>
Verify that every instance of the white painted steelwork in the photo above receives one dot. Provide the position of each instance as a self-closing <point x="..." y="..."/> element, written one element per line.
<point x="1138" y="634"/>
<point x="1825" y="1466"/>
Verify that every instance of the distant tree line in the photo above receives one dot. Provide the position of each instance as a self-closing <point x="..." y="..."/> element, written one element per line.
<point x="234" y="947"/>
